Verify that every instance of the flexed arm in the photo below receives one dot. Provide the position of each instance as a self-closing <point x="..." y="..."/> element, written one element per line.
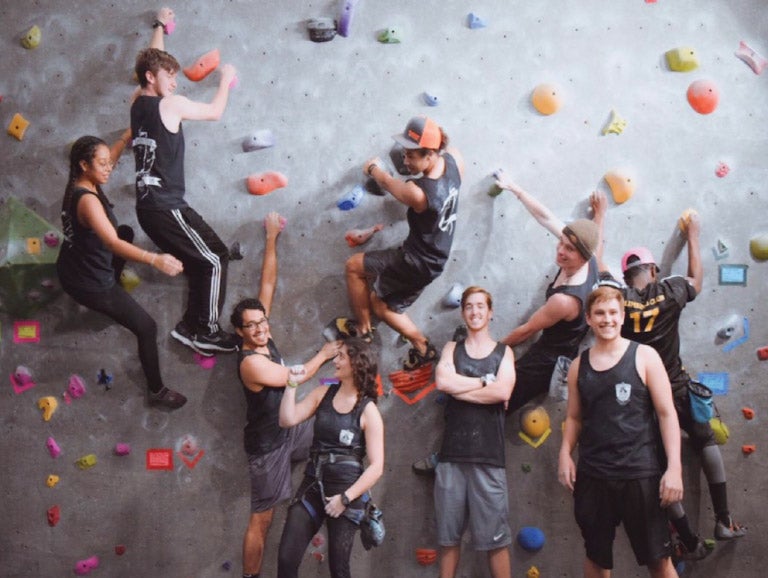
<point x="541" y="213"/>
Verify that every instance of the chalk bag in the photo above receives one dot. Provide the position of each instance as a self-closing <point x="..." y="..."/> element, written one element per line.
<point x="702" y="404"/>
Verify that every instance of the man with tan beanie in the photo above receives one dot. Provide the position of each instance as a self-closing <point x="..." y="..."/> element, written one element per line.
<point x="561" y="319"/>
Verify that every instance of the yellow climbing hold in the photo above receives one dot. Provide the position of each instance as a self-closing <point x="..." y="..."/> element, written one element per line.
<point x="52" y="480"/>
<point x="129" y="280"/>
<point x="616" y="125"/>
<point x="86" y="462"/>
<point x="682" y="59"/>
<point x="533" y="572"/>
<point x="48" y="404"/>
<point x="546" y="99"/>
<point x="758" y="247"/>
<point x="32" y="38"/>
<point x="685" y="218"/>
<point x="18" y="126"/>
<point x="622" y="186"/>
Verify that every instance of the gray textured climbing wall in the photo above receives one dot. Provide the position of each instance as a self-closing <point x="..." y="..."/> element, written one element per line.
<point x="331" y="106"/>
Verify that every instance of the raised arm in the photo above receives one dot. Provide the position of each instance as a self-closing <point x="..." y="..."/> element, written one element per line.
<point x="272" y="227"/>
<point x="599" y="204"/>
<point x="566" y="468"/>
<point x="164" y="16"/>
<point x="695" y="267"/>
<point x="651" y="369"/>
<point x="542" y="214"/>
<point x="91" y="213"/>
<point x="294" y="412"/>
<point x="119" y="145"/>
<point x="258" y="371"/>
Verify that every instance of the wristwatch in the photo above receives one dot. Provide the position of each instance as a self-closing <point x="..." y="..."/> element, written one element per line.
<point x="344" y="499"/>
<point x="487" y="378"/>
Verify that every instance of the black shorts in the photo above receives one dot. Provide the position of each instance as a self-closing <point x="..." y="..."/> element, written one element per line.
<point x="600" y="505"/>
<point x="394" y="278"/>
<point x="699" y="434"/>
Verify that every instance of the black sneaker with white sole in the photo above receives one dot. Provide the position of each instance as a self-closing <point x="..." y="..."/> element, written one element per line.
<point x="219" y="340"/>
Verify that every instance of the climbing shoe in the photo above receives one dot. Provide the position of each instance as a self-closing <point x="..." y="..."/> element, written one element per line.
<point x="167" y="398"/>
<point x="416" y="359"/>
<point x="729" y="530"/>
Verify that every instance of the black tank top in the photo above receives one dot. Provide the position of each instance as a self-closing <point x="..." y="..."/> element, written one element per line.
<point x="84" y="262"/>
<point x="159" y="156"/>
<point x="262" y="431"/>
<point x="564" y="337"/>
<point x="430" y="233"/>
<point x="619" y="432"/>
<point x="474" y="432"/>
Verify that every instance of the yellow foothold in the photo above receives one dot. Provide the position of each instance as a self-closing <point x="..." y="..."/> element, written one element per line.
<point x="48" y="404"/>
<point x="685" y="218"/>
<point x="682" y="59"/>
<point x="616" y="124"/>
<point x="546" y="99"/>
<point x="86" y="462"/>
<point x="533" y="572"/>
<point x="129" y="280"/>
<point x="721" y="431"/>
<point x="33" y="245"/>
<point x="622" y="186"/>
<point x="32" y="38"/>
<point x="18" y="126"/>
<point x="52" y="480"/>
<point x="758" y="247"/>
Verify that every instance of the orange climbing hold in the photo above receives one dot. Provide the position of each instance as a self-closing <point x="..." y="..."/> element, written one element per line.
<point x="18" y="126"/>
<point x="762" y="353"/>
<point x="546" y="99"/>
<point x="426" y="556"/>
<point x="622" y="186"/>
<point x="748" y="412"/>
<point x="748" y="449"/>
<point x="265" y="183"/>
<point x="685" y="218"/>
<point x="703" y="96"/>
<point x="204" y="65"/>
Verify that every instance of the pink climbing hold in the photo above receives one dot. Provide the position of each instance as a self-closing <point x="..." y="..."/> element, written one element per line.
<point x="122" y="449"/>
<point x="54" y="515"/>
<point x="205" y="361"/>
<point x="21" y="379"/>
<point x="703" y="96"/>
<point x="53" y="447"/>
<point x="722" y="170"/>
<point x="169" y="27"/>
<point x="84" y="567"/>
<point x="76" y="386"/>
<point x="265" y="183"/>
<point x="756" y="62"/>
<point x="318" y="540"/>
<point x="356" y="237"/>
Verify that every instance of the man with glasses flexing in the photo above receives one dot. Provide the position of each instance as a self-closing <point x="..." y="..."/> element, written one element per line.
<point x="270" y="448"/>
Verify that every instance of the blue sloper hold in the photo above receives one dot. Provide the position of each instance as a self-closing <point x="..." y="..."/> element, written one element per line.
<point x="351" y="199"/>
<point x="475" y="22"/>
<point x="261" y="139"/>
<point x="430" y="99"/>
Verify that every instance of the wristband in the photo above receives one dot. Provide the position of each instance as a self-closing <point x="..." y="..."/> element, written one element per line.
<point x="292" y="384"/>
<point x="152" y="260"/>
<point x="158" y="24"/>
<point x="344" y="499"/>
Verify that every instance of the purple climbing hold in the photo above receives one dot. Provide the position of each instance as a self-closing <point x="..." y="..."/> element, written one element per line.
<point x="475" y="22"/>
<point x="84" y="567"/>
<point x="430" y="99"/>
<point x="53" y="447"/>
<point x="345" y="19"/>
<point x="76" y="386"/>
<point x="122" y="449"/>
<point x="261" y="139"/>
<point x="51" y="239"/>
<point x="321" y="29"/>
<point x="21" y="379"/>
<point x="352" y="198"/>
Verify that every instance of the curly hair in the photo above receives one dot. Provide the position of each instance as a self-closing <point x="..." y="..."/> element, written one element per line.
<point x="152" y="60"/>
<point x="237" y="313"/>
<point x="362" y="357"/>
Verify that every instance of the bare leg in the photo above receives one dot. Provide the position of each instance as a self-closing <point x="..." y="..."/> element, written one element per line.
<point x="358" y="291"/>
<point x="400" y="322"/>
<point x="500" y="563"/>
<point x="253" y="542"/>
<point x="449" y="561"/>
<point x="662" y="568"/>
<point x="592" y="570"/>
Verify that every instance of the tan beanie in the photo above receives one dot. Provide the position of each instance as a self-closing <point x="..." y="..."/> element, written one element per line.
<point x="584" y="234"/>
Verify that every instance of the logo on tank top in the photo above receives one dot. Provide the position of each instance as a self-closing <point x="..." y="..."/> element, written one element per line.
<point x="448" y="211"/>
<point x="346" y="437"/>
<point x="144" y="153"/>
<point x="623" y="391"/>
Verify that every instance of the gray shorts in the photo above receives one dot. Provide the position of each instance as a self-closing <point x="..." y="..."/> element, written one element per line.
<point x="474" y="496"/>
<point x="271" y="472"/>
<point x="393" y="278"/>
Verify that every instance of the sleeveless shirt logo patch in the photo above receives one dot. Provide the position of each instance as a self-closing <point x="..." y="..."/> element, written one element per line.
<point x="346" y="437"/>
<point x="623" y="391"/>
<point x="448" y="211"/>
<point x="144" y="149"/>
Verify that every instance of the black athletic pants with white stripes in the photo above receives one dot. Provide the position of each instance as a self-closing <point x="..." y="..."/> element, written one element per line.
<point x="184" y="234"/>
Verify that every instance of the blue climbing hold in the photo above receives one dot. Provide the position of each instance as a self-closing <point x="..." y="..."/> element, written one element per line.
<point x="430" y="99"/>
<point x="261" y="139"/>
<point x="345" y="19"/>
<point x="352" y="198"/>
<point x="530" y="538"/>
<point x="475" y="22"/>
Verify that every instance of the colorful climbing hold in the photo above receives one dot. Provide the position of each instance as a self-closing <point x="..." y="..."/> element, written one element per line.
<point x="546" y="99"/>
<point x="53" y="447"/>
<point x="426" y="556"/>
<point x="720" y="250"/>
<point x="32" y="37"/>
<point x="122" y="449"/>
<point x="48" y="404"/>
<point x="758" y="247"/>
<point x="103" y="377"/>
<point x="452" y="299"/>
<point x="622" y="186"/>
<point x="317" y="540"/>
<point x="351" y="198"/>
<point x="265" y="183"/>
<point x="389" y="36"/>
<point x="21" y="379"/>
<point x="203" y="66"/>
<point x="18" y="126"/>
<point x="748" y="412"/>
<point x="52" y="480"/>
<point x="429" y="99"/>
<point x="84" y="567"/>
<point x="532" y="572"/>
<point x="357" y="237"/>
<point x="76" y="386"/>
<point x="756" y="62"/>
<point x="762" y="353"/>
<point x="531" y="538"/>
<point x="474" y="21"/>
<point x="54" y="515"/>
<point x="526" y="468"/>
<point x="682" y="59"/>
<point x="260" y="139"/>
<point x="129" y="279"/>
<point x="747" y="449"/>
<point x="345" y="18"/>
<point x="86" y="462"/>
<point x="703" y="96"/>
<point x="616" y="125"/>
<point x="205" y="361"/>
<point x="51" y="239"/>
<point x="321" y="29"/>
<point x="535" y="421"/>
<point x="120" y="549"/>
<point x="685" y="218"/>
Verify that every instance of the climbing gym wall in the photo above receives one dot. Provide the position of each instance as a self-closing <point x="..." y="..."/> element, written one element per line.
<point x="662" y="105"/>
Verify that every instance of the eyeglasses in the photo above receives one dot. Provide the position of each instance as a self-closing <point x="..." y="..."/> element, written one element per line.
<point x="251" y="325"/>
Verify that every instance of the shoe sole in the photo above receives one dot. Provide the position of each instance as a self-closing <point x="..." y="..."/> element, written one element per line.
<point x="209" y="348"/>
<point x="189" y="343"/>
